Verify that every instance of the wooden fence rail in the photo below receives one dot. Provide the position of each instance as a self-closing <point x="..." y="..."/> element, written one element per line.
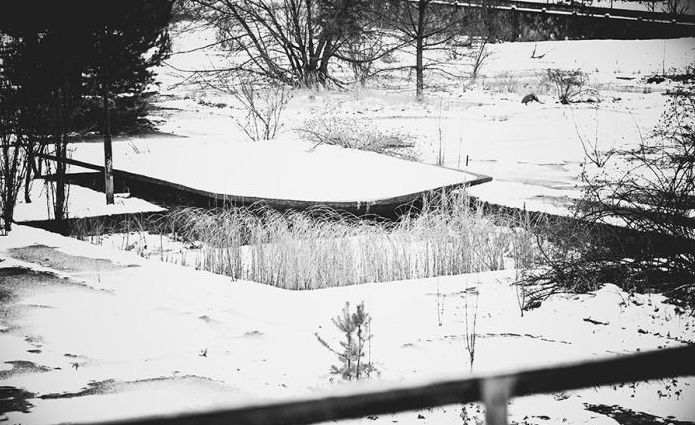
<point x="494" y="390"/>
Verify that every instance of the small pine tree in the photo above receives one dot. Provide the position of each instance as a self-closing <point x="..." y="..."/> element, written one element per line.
<point x="355" y="347"/>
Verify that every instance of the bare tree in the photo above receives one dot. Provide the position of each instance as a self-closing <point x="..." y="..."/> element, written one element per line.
<point x="289" y="41"/>
<point x="12" y="170"/>
<point x="675" y="7"/>
<point x="361" y="52"/>
<point x="418" y="22"/>
<point x="24" y="118"/>
<point x="650" y="5"/>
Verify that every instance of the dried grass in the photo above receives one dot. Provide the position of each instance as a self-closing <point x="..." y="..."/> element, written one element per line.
<point x="321" y="248"/>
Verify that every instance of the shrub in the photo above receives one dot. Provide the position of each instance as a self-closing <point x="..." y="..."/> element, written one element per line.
<point x="355" y="355"/>
<point x="569" y="84"/>
<point x="263" y="108"/>
<point x="479" y="55"/>
<point x="634" y="225"/>
<point x="356" y="133"/>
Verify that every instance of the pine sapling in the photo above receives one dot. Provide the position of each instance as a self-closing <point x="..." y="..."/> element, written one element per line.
<point x="356" y="346"/>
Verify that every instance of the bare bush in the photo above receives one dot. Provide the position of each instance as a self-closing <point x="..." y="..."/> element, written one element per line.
<point x="569" y="84"/>
<point x="524" y="255"/>
<point x="479" y="55"/>
<point x="650" y="187"/>
<point x="264" y="108"/>
<point x="635" y="224"/>
<point x="356" y="133"/>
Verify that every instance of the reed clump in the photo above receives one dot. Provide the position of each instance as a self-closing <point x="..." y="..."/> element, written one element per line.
<point x="322" y="248"/>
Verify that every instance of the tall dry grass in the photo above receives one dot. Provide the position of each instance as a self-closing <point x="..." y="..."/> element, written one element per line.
<point x="308" y="250"/>
<point x="322" y="248"/>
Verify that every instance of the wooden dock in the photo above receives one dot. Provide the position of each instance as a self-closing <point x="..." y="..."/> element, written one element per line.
<point x="168" y="194"/>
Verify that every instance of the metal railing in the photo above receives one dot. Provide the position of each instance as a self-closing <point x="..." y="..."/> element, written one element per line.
<point x="493" y="390"/>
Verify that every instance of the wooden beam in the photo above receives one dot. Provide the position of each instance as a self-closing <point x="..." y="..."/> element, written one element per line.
<point x="366" y="400"/>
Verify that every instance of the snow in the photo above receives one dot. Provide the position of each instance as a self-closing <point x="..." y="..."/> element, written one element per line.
<point x="533" y="152"/>
<point x="82" y="202"/>
<point x="145" y="325"/>
<point x="289" y="170"/>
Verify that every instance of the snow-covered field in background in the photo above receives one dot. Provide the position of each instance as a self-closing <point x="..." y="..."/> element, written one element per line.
<point x="533" y="152"/>
<point x="115" y="335"/>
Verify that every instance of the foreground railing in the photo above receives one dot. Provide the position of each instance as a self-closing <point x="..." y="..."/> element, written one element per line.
<point x="493" y="390"/>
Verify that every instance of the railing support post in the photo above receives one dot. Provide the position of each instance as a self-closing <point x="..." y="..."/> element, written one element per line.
<point x="495" y="393"/>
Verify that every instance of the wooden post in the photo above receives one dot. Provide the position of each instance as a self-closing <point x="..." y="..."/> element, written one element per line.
<point x="495" y="390"/>
<point x="495" y="393"/>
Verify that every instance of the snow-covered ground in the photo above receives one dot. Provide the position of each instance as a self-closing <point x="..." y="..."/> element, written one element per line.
<point x="533" y="152"/>
<point x="94" y="333"/>
<point x="82" y="202"/>
<point x="294" y="171"/>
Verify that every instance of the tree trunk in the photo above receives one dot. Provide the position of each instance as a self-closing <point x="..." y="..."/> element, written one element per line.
<point x="27" y="181"/>
<point x="8" y="176"/>
<point x="419" y="41"/>
<point x="108" y="152"/>
<point x="32" y="45"/>
<point x="60" y="200"/>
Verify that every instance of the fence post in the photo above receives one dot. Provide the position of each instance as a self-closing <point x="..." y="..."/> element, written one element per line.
<point x="495" y="393"/>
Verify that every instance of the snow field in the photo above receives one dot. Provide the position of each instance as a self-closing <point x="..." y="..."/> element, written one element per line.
<point x="149" y="323"/>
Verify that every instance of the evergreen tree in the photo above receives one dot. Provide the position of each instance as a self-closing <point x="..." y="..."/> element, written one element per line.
<point x="86" y="58"/>
<point x="356" y="329"/>
<point x="127" y="40"/>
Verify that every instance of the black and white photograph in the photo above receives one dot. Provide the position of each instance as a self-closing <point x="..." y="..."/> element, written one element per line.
<point x="375" y="212"/>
